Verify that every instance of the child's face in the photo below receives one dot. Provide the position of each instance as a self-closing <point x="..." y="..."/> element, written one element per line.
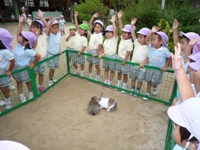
<point x="72" y="32"/>
<point x="109" y="34"/>
<point x="81" y="31"/>
<point x="184" y="43"/>
<point x="177" y="137"/>
<point x="21" y="40"/>
<point x="156" y="42"/>
<point x="97" y="28"/>
<point x="55" y="29"/>
<point x="35" y="30"/>
<point x="141" y="39"/>
<point x="126" y="35"/>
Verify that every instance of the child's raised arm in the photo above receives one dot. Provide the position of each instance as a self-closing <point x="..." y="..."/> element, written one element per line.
<point x="153" y="30"/>
<point x="41" y="16"/>
<point x="120" y="20"/>
<point x="92" y="20"/>
<point x="76" y="20"/>
<point x="19" y="28"/>
<point x="175" y="32"/>
<point x="51" y="20"/>
<point x="133" y="22"/>
<point x="112" y="20"/>
<point x="184" y="86"/>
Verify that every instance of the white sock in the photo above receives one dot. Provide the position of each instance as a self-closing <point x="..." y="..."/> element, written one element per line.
<point x="109" y="82"/>
<point x="7" y="100"/>
<point x="21" y="95"/>
<point x="97" y="76"/>
<point x="106" y="81"/>
<point x="90" y="74"/>
<point x="118" y="82"/>
<point x="82" y="71"/>
<point x="124" y="85"/>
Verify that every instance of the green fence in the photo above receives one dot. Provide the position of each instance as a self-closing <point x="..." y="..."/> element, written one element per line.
<point x="166" y="90"/>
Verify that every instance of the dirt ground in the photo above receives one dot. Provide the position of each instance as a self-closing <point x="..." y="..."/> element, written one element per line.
<point x="59" y="120"/>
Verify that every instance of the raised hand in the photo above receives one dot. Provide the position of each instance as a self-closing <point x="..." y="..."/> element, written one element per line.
<point x="120" y="14"/>
<point x="133" y="21"/>
<point x="175" y="24"/>
<point x="193" y="41"/>
<point x="113" y="18"/>
<point x="40" y="13"/>
<point x="75" y="13"/>
<point x="51" y="19"/>
<point x="176" y="58"/>
<point x="96" y="15"/>
<point x="21" y="18"/>
<point x="154" y="29"/>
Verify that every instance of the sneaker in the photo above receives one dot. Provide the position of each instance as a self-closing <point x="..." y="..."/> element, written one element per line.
<point x="22" y="98"/>
<point x="2" y="103"/>
<point x="155" y="92"/>
<point x="146" y="98"/>
<point x="136" y="91"/>
<point x="81" y="74"/>
<point x="8" y="104"/>
<point x="132" y="90"/>
<point x="10" y="87"/>
<point x="96" y="79"/>
<point x="30" y="95"/>
<point x="54" y="80"/>
<point x="76" y="72"/>
<point x="123" y="92"/>
<point x="117" y="86"/>
<point x="41" y="88"/>
<point x="50" y="82"/>
<point x="90" y="77"/>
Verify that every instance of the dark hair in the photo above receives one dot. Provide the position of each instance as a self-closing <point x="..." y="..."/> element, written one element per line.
<point x="185" y="134"/>
<point x="2" y="46"/>
<point x="159" y="37"/>
<point x="102" y="32"/>
<point x="184" y="37"/>
<point x="55" y="24"/>
<point x="36" y="24"/>
<point x="27" y="46"/>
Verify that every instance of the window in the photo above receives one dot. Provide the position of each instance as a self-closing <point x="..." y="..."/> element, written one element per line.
<point x="29" y="3"/>
<point x="8" y="2"/>
<point x="44" y="3"/>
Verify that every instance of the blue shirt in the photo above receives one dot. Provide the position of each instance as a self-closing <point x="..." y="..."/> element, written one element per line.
<point x="157" y="57"/>
<point x="5" y="57"/>
<point x="53" y="46"/>
<point x="23" y="57"/>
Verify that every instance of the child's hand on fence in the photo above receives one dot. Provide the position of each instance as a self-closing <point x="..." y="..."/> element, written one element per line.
<point x="141" y="65"/>
<point x="21" y="19"/>
<point x="100" y="56"/>
<point x="113" y="18"/>
<point x="163" y="69"/>
<point x="133" y="21"/>
<point x="96" y="15"/>
<point x="76" y="13"/>
<point x="60" y="52"/>
<point x="193" y="41"/>
<point x="40" y="13"/>
<point x="123" y="63"/>
<point x="176" y="58"/>
<point x="154" y="29"/>
<point x="8" y="73"/>
<point x="79" y="53"/>
<point x="120" y="14"/>
<point x="175" y="24"/>
<point x="31" y="65"/>
<point x="93" y="55"/>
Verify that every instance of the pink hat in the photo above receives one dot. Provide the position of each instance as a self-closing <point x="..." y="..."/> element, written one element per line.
<point x="30" y="36"/>
<point x="29" y="15"/>
<point x="55" y="22"/>
<point x="164" y="37"/>
<point x="189" y="35"/>
<point x="196" y="48"/>
<point x="6" y="38"/>
<point x="40" y="22"/>
<point x="144" y="31"/>
<point x="195" y="57"/>
<point x="195" y="65"/>
<point x="61" y="16"/>
<point x="99" y="22"/>
<point x="109" y="28"/>
<point x="187" y="115"/>
<point x="127" y="28"/>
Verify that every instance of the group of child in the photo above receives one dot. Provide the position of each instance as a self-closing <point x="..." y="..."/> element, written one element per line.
<point x="42" y="41"/>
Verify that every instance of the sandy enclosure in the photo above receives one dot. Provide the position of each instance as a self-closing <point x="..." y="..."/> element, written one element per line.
<point x="59" y="119"/>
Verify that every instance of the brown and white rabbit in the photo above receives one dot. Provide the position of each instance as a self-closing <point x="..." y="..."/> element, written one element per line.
<point x="93" y="106"/>
<point x="108" y="103"/>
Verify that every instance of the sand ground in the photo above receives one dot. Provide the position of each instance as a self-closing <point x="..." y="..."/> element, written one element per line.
<point x="59" y="120"/>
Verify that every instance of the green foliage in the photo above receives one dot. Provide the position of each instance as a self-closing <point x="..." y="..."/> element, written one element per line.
<point x="89" y="7"/>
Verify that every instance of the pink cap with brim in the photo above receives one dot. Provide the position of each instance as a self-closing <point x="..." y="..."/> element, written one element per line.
<point x="164" y="38"/>
<point x="40" y="22"/>
<point x="196" y="48"/>
<point x="109" y="28"/>
<point x="61" y="16"/>
<point x="189" y="35"/>
<point x="187" y="115"/>
<point x="30" y="36"/>
<point x="29" y="15"/>
<point x="195" y="65"/>
<point x="6" y="38"/>
<point x="99" y="22"/>
<point x="127" y="28"/>
<point x="144" y="31"/>
<point x="195" y="57"/>
<point x="12" y="145"/>
<point x="55" y="22"/>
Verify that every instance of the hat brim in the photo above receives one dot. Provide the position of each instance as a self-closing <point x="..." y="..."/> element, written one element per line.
<point x="142" y="33"/>
<point x="194" y="66"/>
<point x="8" y="46"/>
<point x="125" y="30"/>
<point x="109" y="30"/>
<point x="39" y="23"/>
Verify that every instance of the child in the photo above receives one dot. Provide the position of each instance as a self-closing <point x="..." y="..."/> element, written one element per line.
<point x="6" y="65"/>
<point x="29" y="21"/>
<point x="140" y="56"/>
<point x="186" y="116"/>
<point x="159" y="56"/>
<point x="124" y="50"/>
<point x="80" y="46"/>
<point x="23" y="54"/>
<point x="37" y="27"/>
<point x="70" y="42"/>
<point x="109" y="51"/>
<point x="53" y="48"/>
<point x="62" y="23"/>
<point x="95" y="45"/>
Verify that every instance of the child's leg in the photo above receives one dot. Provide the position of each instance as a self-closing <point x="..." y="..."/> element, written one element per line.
<point x="133" y="84"/>
<point x="148" y="87"/>
<point x="19" y="86"/>
<point x="82" y="70"/>
<point x="51" y="73"/>
<point x="112" y="74"/>
<point x="197" y="81"/>
<point x="40" y="79"/>
<point x="90" y="68"/>
<point x="106" y="75"/>
<point x="5" y="92"/>
<point x="98" y="69"/>
<point x="139" y="85"/>
<point x="28" y="84"/>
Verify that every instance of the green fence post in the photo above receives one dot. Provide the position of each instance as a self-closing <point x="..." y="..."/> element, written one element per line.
<point x="33" y="83"/>
<point x="67" y="57"/>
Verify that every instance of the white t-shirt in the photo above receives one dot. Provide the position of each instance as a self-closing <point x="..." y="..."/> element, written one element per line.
<point x="80" y="41"/>
<point x="124" y="46"/>
<point x="41" y="47"/>
<point x="70" y="42"/>
<point x="110" y="46"/>
<point x="140" y="52"/>
<point x="95" y="40"/>
<point x="29" y="21"/>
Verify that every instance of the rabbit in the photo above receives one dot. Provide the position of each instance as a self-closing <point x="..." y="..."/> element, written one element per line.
<point x="93" y="106"/>
<point x="108" y="103"/>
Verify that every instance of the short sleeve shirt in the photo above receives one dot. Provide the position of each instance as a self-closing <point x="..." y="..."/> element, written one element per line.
<point x="53" y="43"/>
<point x="157" y="57"/>
<point x="124" y="46"/>
<point x="140" y="52"/>
<point x="41" y="47"/>
<point x="110" y="46"/>
<point x="70" y="42"/>
<point x="5" y="57"/>
<point x="95" y="40"/>
<point x="29" y="21"/>
<point x="62" y="22"/>
<point x="80" y="41"/>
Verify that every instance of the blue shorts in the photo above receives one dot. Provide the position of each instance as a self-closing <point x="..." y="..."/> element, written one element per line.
<point x="136" y="73"/>
<point x="21" y="76"/>
<point x="5" y="81"/>
<point x="78" y="59"/>
<point x="108" y="64"/>
<point x="54" y="62"/>
<point x="40" y="68"/>
<point x="153" y="76"/>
